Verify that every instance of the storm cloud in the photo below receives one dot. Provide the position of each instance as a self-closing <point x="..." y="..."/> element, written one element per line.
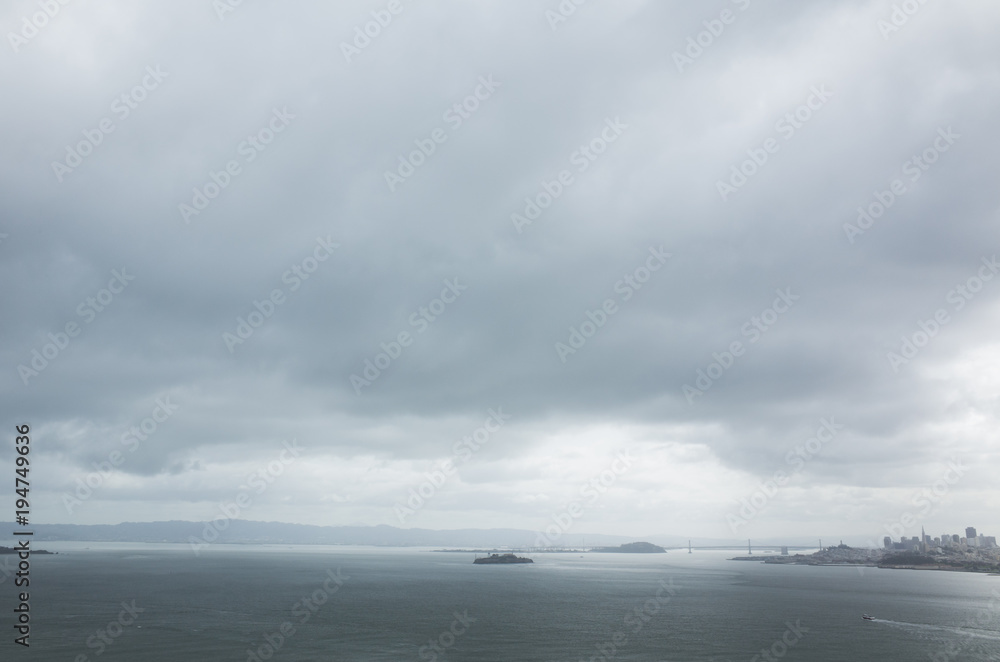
<point x="696" y="233"/>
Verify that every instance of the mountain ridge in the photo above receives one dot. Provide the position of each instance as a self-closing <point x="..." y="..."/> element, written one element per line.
<point x="256" y="532"/>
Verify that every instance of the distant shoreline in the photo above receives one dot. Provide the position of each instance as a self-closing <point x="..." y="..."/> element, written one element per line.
<point x="805" y="560"/>
<point x="12" y="551"/>
<point x="628" y="548"/>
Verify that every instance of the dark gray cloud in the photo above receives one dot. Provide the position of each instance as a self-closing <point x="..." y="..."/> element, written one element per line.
<point x="308" y="138"/>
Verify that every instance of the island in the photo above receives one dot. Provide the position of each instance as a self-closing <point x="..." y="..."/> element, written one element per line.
<point x="632" y="548"/>
<point x="501" y="558"/>
<point x="11" y="550"/>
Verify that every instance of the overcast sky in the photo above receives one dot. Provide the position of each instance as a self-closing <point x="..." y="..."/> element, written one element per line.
<point x="601" y="208"/>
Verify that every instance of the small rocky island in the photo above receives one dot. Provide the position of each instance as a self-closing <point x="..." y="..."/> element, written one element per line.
<point x="501" y="558"/>
<point x="632" y="548"/>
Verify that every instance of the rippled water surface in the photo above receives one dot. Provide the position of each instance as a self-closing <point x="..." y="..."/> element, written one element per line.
<point x="242" y="602"/>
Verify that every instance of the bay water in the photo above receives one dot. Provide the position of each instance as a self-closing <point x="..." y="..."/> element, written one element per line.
<point x="153" y="602"/>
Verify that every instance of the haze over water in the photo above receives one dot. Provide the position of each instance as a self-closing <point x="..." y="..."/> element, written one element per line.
<point x="498" y="273"/>
<point x="394" y="602"/>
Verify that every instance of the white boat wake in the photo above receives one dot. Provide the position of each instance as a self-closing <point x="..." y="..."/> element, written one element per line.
<point x="965" y="632"/>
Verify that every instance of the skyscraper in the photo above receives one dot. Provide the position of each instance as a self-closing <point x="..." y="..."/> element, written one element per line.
<point x="970" y="532"/>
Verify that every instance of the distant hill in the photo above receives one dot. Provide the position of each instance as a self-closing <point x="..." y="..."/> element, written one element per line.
<point x="249" y="532"/>
<point x="632" y="548"/>
<point x="11" y="550"/>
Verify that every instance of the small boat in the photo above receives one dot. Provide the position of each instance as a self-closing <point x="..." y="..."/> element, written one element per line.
<point x="867" y="617"/>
